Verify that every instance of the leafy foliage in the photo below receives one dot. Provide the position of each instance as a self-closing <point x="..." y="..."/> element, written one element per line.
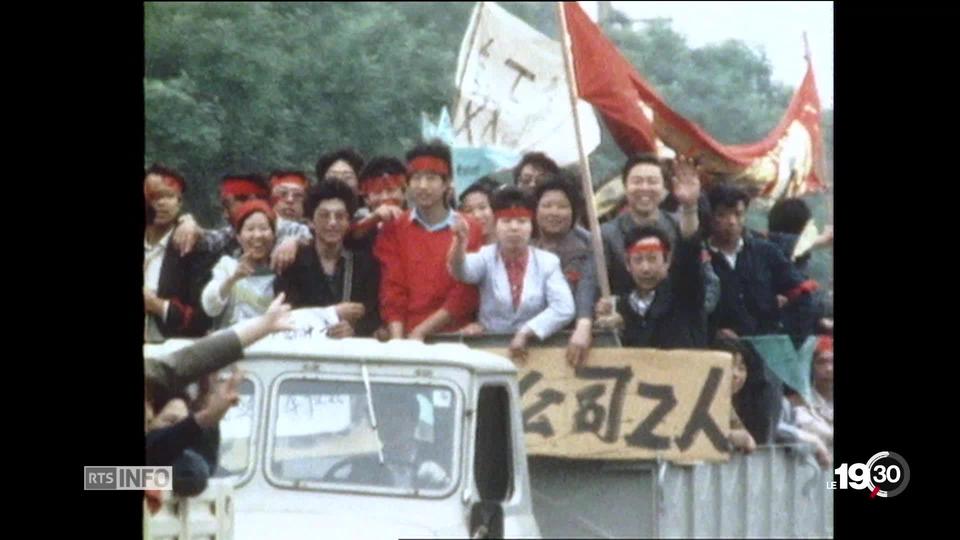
<point x="237" y="87"/>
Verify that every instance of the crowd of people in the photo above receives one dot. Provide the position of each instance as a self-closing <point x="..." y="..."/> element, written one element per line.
<point x="385" y="243"/>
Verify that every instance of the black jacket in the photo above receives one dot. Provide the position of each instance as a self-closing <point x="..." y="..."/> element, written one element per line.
<point x="181" y="282"/>
<point x="306" y="285"/>
<point x="748" y="293"/>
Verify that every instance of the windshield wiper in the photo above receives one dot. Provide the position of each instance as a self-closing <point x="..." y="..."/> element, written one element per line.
<point x="370" y="411"/>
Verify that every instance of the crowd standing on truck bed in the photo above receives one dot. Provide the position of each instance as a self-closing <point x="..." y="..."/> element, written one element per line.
<point x="387" y="251"/>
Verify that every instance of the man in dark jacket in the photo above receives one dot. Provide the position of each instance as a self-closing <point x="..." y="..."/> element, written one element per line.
<point x="752" y="273"/>
<point x="325" y="273"/>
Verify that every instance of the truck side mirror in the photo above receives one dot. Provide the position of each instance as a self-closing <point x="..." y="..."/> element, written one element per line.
<point x="486" y="520"/>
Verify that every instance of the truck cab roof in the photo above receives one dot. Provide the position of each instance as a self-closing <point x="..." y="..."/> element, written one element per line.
<point x="399" y="352"/>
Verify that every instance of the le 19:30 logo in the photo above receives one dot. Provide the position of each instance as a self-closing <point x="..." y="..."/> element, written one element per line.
<point x="886" y="474"/>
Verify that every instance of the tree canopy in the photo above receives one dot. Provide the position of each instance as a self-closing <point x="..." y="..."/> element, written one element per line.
<point x="241" y="87"/>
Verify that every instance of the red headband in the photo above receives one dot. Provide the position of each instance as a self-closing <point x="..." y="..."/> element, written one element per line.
<point x="245" y="209"/>
<point x="241" y="186"/>
<point x="288" y="179"/>
<point x="428" y="163"/>
<point x="171" y="182"/>
<point x="647" y="245"/>
<point x="824" y="344"/>
<point x="512" y="213"/>
<point x="384" y="182"/>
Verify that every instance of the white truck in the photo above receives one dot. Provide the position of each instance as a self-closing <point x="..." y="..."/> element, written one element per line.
<point x="360" y="439"/>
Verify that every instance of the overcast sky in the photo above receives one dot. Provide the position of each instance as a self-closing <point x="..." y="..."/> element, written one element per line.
<point x="776" y="27"/>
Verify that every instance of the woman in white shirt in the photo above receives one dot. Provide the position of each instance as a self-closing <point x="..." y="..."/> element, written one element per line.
<point x="243" y="289"/>
<point x="522" y="288"/>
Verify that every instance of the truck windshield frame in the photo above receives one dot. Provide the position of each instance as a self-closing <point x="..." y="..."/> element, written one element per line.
<point x="251" y="409"/>
<point x="356" y="438"/>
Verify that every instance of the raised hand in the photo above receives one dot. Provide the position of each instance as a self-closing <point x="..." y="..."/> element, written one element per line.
<point x="245" y="267"/>
<point x="186" y="235"/>
<point x="277" y="317"/>
<point x="388" y="212"/>
<point x="686" y="182"/>
<point x="461" y="229"/>
<point x="226" y="395"/>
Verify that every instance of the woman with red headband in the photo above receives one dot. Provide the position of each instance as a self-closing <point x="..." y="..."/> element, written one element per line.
<point x="171" y="280"/>
<point x="242" y="288"/>
<point x="522" y="288"/>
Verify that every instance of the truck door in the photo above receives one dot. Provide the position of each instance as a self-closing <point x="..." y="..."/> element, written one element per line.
<point x="502" y="505"/>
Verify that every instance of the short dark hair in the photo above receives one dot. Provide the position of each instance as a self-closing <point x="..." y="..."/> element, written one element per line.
<point x="351" y="156"/>
<point x="435" y="148"/>
<point x="510" y="197"/>
<point x="788" y="216"/>
<point x="733" y="346"/>
<point x="727" y="195"/>
<point x="163" y="170"/>
<point x="537" y="159"/>
<point x="326" y="190"/>
<point x="380" y="165"/>
<point x="484" y="185"/>
<point x="559" y="182"/>
<point x="648" y="231"/>
<point x="649" y="158"/>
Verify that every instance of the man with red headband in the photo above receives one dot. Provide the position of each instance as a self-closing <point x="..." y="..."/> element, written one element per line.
<point x="288" y="190"/>
<point x="418" y="296"/>
<point x="171" y="281"/>
<point x="665" y="309"/>
<point x="383" y="183"/>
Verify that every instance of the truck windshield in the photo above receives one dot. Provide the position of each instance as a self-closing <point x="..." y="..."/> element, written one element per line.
<point x="322" y="435"/>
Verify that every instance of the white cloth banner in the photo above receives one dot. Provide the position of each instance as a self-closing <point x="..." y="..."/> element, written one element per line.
<point x="513" y="90"/>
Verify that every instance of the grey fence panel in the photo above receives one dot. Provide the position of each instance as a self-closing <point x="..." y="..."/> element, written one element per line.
<point x="772" y="492"/>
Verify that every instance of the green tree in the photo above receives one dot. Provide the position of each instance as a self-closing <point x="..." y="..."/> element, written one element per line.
<point x="238" y="87"/>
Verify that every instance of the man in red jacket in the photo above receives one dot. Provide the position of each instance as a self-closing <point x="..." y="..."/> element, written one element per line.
<point x="418" y="296"/>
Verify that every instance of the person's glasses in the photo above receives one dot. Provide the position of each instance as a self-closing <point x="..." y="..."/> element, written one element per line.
<point x="290" y="194"/>
<point x="337" y="216"/>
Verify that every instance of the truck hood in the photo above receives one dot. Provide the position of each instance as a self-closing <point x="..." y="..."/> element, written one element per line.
<point x="335" y="526"/>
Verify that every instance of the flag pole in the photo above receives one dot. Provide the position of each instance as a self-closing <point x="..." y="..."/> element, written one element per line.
<point x="822" y="162"/>
<point x="585" y="177"/>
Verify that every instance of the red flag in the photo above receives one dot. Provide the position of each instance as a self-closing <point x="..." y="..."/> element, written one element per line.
<point x="783" y="163"/>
